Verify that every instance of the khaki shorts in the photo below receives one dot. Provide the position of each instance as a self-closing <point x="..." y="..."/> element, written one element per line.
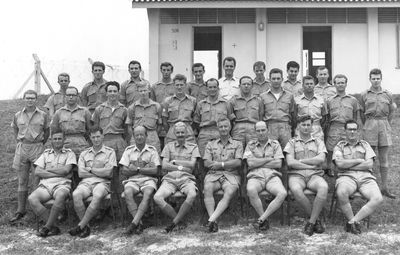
<point x="280" y="131"/>
<point x="140" y="183"/>
<point x="104" y="188"/>
<point x="305" y="176"/>
<point x="117" y="143"/>
<point x="185" y="186"/>
<point x="358" y="181"/>
<point x="223" y="180"/>
<point x="53" y="188"/>
<point x="244" y="132"/>
<point x="377" y="132"/>
<point x="336" y="134"/>
<point x="269" y="185"/>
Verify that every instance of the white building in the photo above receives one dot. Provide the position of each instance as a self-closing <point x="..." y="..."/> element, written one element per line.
<point x="347" y="36"/>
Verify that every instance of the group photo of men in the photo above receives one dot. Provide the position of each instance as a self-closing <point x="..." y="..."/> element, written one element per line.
<point x="264" y="132"/>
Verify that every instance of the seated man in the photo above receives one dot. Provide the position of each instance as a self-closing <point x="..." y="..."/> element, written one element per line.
<point x="53" y="168"/>
<point x="139" y="163"/>
<point x="179" y="160"/>
<point x="95" y="167"/>
<point x="305" y="156"/>
<point x="355" y="160"/>
<point x="223" y="159"/>
<point x="263" y="156"/>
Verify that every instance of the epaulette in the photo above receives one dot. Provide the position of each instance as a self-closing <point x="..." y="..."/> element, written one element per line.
<point x="151" y="147"/>
<point x="47" y="150"/>
<point x="130" y="146"/>
<point x="108" y="148"/>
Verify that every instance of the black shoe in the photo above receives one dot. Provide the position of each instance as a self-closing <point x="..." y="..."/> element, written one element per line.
<point x="100" y="215"/>
<point x="131" y="229"/>
<point x="75" y="231"/>
<point x="54" y="230"/>
<point x="261" y="225"/>
<point x="387" y="193"/>
<point x="353" y="228"/>
<point x="85" y="232"/>
<point x="17" y="217"/>
<point x="318" y="228"/>
<point x="170" y="228"/>
<point x="309" y="229"/>
<point x="181" y="225"/>
<point x="212" y="227"/>
<point x="139" y="228"/>
<point x="43" y="232"/>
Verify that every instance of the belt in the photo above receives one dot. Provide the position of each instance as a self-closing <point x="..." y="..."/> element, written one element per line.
<point x="377" y="118"/>
<point x="276" y="121"/>
<point x="30" y="142"/>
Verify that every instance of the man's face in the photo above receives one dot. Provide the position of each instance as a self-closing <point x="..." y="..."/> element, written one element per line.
<point x="98" y="72"/>
<point x="305" y="127"/>
<point x="261" y="131"/>
<point x="308" y="86"/>
<point x="259" y="71"/>
<point x="276" y="80"/>
<point x="292" y="73"/>
<point x="180" y="86"/>
<point x="30" y="100"/>
<point x="180" y="133"/>
<point x="97" y="138"/>
<point x="112" y="93"/>
<point x="143" y="92"/>
<point x="140" y="136"/>
<point x="72" y="96"/>
<point x="375" y="80"/>
<point x="134" y="70"/>
<point x="352" y="132"/>
<point x="63" y="81"/>
<point x="229" y="67"/>
<point x="57" y="141"/>
<point x="198" y="73"/>
<point x="340" y="84"/>
<point x="166" y="72"/>
<point x="224" y="127"/>
<point x="246" y="85"/>
<point x="212" y="88"/>
<point x="322" y="76"/>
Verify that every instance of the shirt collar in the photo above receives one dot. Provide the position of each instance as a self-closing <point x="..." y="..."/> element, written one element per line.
<point x="296" y="82"/>
<point x="63" y="150"/>
<point x="103" y="149"/>
<point x="176" y="144"/>
<point x="298" y="138"/>
<point x="232" y="79"/>
<point x="106" y="104"/>
<point x="230" y="140"/>
<point x="36" y="109"/>
<point x="304" y="96"/>
<point x="145" y="148"/>
<point x="269" y="142"/>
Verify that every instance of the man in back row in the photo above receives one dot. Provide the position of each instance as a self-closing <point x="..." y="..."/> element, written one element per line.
<point x="94" y="93"/>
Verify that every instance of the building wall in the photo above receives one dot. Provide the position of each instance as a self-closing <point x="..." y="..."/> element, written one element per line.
<point x="387" y="57"/>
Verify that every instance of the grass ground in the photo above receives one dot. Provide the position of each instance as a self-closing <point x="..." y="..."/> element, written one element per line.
<point x="383" y="236"/>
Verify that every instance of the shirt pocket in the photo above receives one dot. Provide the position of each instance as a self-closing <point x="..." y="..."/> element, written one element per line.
<point x="206" y="113"/>
<point x="173" y="113"/>
<point x="240" y="112"/>
<point x="185" y="113"/>
<point x="92" y="94"/>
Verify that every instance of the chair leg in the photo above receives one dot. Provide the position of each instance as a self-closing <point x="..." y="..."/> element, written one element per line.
<point x="282" y="215"/>
<point x="37" y="222"/>
<point x="288" y="210"/>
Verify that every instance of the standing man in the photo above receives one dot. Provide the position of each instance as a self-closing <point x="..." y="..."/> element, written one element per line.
<point x="292" y="84"/>
<point x="248" y="110"/>
<point x="260" y="84"/>
<point x="355" y="160"/>
<point x="323" y="88"/>
<point x="31" y="130"/>
<point x="179" y="160"/>
<point x="207" y="112"/>
<point x="278" y="109"/>
<point x="58" y="100"/>
<point x="94" y="93"/>
<point x="179" y="108"/>
<point x="264" y="158"/>
<point x="139" y="163"/>
<point x="197" y="88"/>
<point x="223" y="158"/>
<point x="378" y="108"/>
<point x="95" y="167"/>
<point x="53" y="168"/>
<point x="305" y="156"/>
<point x="129" y="88"/>
<point x="228" y="84"/>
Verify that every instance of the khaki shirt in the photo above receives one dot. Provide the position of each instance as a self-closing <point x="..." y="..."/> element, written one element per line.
<point x="278" y="110"/>
<point x="160" y="91"/>
<point x="72" y="122"/>
<point x="93" y="94"/>
<point x="198" y="91"/>
<point x="111" y="120"/>
<point x="342" y="108"/>
<point x="259" y="88"/>
<point x="325" y="92"/>
<point x="129" y="91"/>
<point x="55" y="102"/>
<point x="207" y="113"/>
<point x="30" y="129"/>
<point x="361" y="150"/>
<point x="144" y="115"/>
<point x="176" y="109"/>
<point x="301" y="149"/>
<point x="228" y="88"/>
<point x="188" y="152"/>
<point x="247" y="109"/>
<point x="315" y="107"/>
<point x="377" y="104"/>
<point x="295" y="88"/>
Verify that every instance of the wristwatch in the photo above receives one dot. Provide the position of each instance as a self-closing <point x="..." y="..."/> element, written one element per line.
<point x="137" y="169"/>
<point x="180" y="168"/>
<point x="173" y="162"/>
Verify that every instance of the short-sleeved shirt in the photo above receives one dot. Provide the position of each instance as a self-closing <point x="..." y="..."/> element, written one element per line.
<point x="342" y="108"/>
<point x="129" y="91"/>
<point x="278" y="110"/>
<point x="247" y="109"/>
<point x="187" y="152"/>
<point x="176" y="109"/>
<point x="301" y="149"/>
<point x="93" y="94"/>
<point x="111" y="120"/>
<point x="271" y="149"/>
<point x="207" y="113"/>
<point x="228" y="88"/>
<point x="51" y="159"/>
<point x="161" y="90"/>
<point x="55" y="102"/>
<point x="325" y="91"/>
<point x="31" y="128"/>
<point x="376" y="104"/>
<point x="104" y="158"/>
<point x="147" y="115"/>
<point x="148" y="157"/>
<point x="259" y="88"/>
<point x="295" y="88"/>
<point x="314" y="107"/>
<point x="198" y="91"/>
<point x="361" y="150"/>
<point x="72" y="122"/>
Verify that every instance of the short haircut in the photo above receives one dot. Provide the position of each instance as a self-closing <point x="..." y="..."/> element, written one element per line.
<point x="145" y="129"/>
<point x="142" y="84"/>
<point x="95" y="129"/>
<point x="304" y="118"/>
<point x="339" y="76"/>
<point x="56" y="131"/>
<point x="135" y="62"/>
<point x="229" y="59"/>
<point x="275" y="70"/>
<point x="245" y="77"/>
<point x="308" y="77"/>
<point x="210" y="80"/>
<point x="180" y="77"/>
<point x="350" y="122"/>
<point x="98" y="64"/>
<point x="198" y="65"/>
<point x="375" y="71"/>
<point x="180" y="124"/>
<point x="72" y="87"/>
<point x="112" y="83"/>
<point x="167" y="64"/>
<point x="293" y="64"/>
<point x="222" y="119"/>
<point x="260" y="122"/>
<point x="30" y="92"/>
<point x="64" y="75"/>
<point x="259" y="64"/>
<point x="320" y="68"/>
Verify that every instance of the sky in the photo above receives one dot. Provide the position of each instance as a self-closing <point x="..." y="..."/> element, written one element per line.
<point x="64" y="34"/>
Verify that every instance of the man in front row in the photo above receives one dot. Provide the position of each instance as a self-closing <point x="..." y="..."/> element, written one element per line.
<point x="355" y="160"/>
<point x="53" y="168"/>
<point x="95" y="167"/>
<point x="263" y="156"/>
<point x="305" y="155"/>
<point x="222" y="157"/>
<point x="139" y="163"/>
<point x="179" y="160"/>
